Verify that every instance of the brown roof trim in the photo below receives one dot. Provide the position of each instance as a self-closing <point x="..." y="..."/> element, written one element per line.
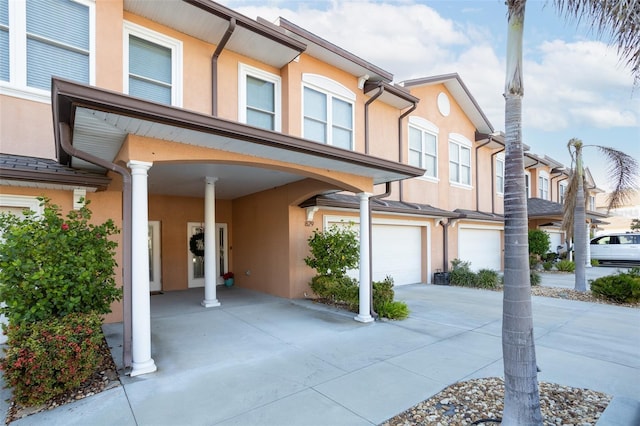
<point x="248" y="23"/>
<point x="43" y="170"/>
<point x="444" y="78"/>
<point x="67" y="96"/>
<point x="290" y="26"/>
<point x="392" y="89"/>
<point x="346" y="201"/>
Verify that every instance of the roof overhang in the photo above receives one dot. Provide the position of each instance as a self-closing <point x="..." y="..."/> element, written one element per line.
<point x="331" y="54"/>
<point x="390" y="94"/>
<point x="250" y="38"/>
<point x="461" y="94"/>
<point x="100" y="121"/>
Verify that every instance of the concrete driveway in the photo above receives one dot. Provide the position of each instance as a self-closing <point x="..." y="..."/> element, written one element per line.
<point x="262" y="360"/>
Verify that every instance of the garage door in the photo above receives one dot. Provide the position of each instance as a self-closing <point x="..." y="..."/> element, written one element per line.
<point x="397" y="252"/>
<point x="555" y="240"/>
<point x="481" y="247"/>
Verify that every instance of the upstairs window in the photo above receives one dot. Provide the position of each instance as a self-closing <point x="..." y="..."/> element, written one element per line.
<point x="527" y="183"/>
<point x="152" y="65"/>
<point x="543" y="186"/>
<point x="328" y="111"/>
<point x="45" y="38"/>
<point x="259" y="98"/>
<point x="562" y="189"/>
<point x="500" y="173"/>
<point x="459" y="160"/>
<point x="592" y="203"/>
<point x="423" y="146"/>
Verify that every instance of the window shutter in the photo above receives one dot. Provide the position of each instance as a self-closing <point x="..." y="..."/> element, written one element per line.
<point x="4" y="40"/>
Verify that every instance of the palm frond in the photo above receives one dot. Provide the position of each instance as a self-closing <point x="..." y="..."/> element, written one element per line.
<point x="623" y="170"/>
<point x="568" y="208"/>
<point x="617" y="19"/>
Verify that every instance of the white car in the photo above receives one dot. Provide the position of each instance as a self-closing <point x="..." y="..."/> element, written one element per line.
<point x="616" y="247"/>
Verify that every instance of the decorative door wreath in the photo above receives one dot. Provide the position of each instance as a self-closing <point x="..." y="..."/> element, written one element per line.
<point x="196" y="244"/>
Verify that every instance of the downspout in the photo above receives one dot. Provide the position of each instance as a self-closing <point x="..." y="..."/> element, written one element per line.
<point x="387" y="192"/>
<point x="366" y="118"/>
<point x="400" y="150"/>
<point x="67" y="146"/>
<point x="493" y="183"/>
<point x="445" y="245"/>
<point x="214" y="65"/>
<point x="477" y="172"/>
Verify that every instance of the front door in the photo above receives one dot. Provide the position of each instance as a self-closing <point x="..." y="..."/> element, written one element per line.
<point x="195" y="265"/>
<point x="155" y="268"/>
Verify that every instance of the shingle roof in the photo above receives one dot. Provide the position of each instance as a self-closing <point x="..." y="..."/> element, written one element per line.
<point x="351" y="201"/>
<point x="43" y="170"/>
<point x="538" y="207"/>
<point x="472" y="214"/>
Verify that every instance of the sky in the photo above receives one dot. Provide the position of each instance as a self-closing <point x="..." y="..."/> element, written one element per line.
<point x="575" y="84"/>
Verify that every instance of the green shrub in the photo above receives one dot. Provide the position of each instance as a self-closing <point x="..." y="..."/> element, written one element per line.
<point x="382" y="292"/>
<point x="566" y="266"/>
<point x="333" y="251"/>
<point x="534" y="278"/>
<point x="51" y="266"/>
<point x="539" y="242"/>
<point x="547" y="266"/>
<point x="487" y="278"/>
<point x="47" y="358"/>
<point x="534" y="261"/>
<point x="623" y="287"/>
<point x="595" y="262"/>
<point x="461" y="274"/>
<point x="393" y="310"/>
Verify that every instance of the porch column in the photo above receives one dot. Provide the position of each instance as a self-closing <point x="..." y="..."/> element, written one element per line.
<point x="142" y="363"/>
<point x="210" y="270"/>
<point x="364" y="314"/>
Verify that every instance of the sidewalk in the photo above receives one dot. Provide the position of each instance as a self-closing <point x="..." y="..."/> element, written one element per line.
<point x="262" y="360"/>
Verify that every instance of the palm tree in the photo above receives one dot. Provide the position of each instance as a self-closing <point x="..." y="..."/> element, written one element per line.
<point x="624" y="171"/>
<point x="619" y="18"/>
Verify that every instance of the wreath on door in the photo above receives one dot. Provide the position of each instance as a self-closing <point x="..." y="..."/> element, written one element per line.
<point x="196" y="244"/>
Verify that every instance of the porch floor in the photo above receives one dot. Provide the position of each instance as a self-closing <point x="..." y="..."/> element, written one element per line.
<point x="262" y="360"/>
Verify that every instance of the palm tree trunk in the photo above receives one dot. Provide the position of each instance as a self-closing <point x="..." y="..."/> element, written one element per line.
<point x="579" y="227"/>
<point x="522" y="398"/>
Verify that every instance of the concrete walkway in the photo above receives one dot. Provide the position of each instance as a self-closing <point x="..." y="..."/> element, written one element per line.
<point x="262" y="360"/>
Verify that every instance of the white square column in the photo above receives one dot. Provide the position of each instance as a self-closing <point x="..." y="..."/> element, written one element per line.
<point x="364" y="313"/>
<point x="142" y="363"/>
<point x="210" y="267"/>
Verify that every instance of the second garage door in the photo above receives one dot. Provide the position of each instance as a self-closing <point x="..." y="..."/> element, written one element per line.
<point x="397" y="252"/>
<point x="480" y="246"/>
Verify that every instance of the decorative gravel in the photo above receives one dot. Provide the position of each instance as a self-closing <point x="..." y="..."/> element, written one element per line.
<point x="569" y="294"/>
<point x="480" y="401"/>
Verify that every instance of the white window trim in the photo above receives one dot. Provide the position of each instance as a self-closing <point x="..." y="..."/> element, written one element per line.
<point x="17" y="86"/>
<point x="332" y="89"/>
<point x="500" y="159"/>
<point x="562" y="193"/>
<point x="528" y="174"/>
<point x="129" y="28"/>
<point x="466" y="143"/>
<point x="26" y="201"/>
<point x="245" y="70"/>
<point x="426" y="126"/>
<point x="543" y="175"/>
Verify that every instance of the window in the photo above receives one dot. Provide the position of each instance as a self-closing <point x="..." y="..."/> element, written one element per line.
<point x="459" y="160"/>
<point x="527" y="184"/>
<point x="423" y="146"/>
<point x="500" y="173"/>
<point x="543" y="186"/>
<point x="328" y="111"/>
<point x="259" y="98"/>
<point x="45" y="38"/>
<point x="152" y="65"/>
<point x="592" y="203"/>
<point x="562" y="188"/>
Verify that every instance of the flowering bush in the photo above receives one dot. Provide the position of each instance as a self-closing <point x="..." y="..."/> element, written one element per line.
<point x="52" y="266"/>
<point x="47" y="358"/>
<point x="227" y="275"/>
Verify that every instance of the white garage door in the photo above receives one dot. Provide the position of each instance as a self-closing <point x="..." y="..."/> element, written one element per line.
<point x="555" y="240"/>
<point x="397" y="252"/>
<point x="481" y="247"/>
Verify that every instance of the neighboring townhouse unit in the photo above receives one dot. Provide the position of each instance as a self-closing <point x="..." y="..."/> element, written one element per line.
<point x="190" y="119"/>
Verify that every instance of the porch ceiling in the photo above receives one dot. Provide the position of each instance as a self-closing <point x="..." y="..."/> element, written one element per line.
<point x="100" y="121"/>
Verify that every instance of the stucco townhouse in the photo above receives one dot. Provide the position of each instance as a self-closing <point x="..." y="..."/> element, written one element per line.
<point x="184" y="119"/>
